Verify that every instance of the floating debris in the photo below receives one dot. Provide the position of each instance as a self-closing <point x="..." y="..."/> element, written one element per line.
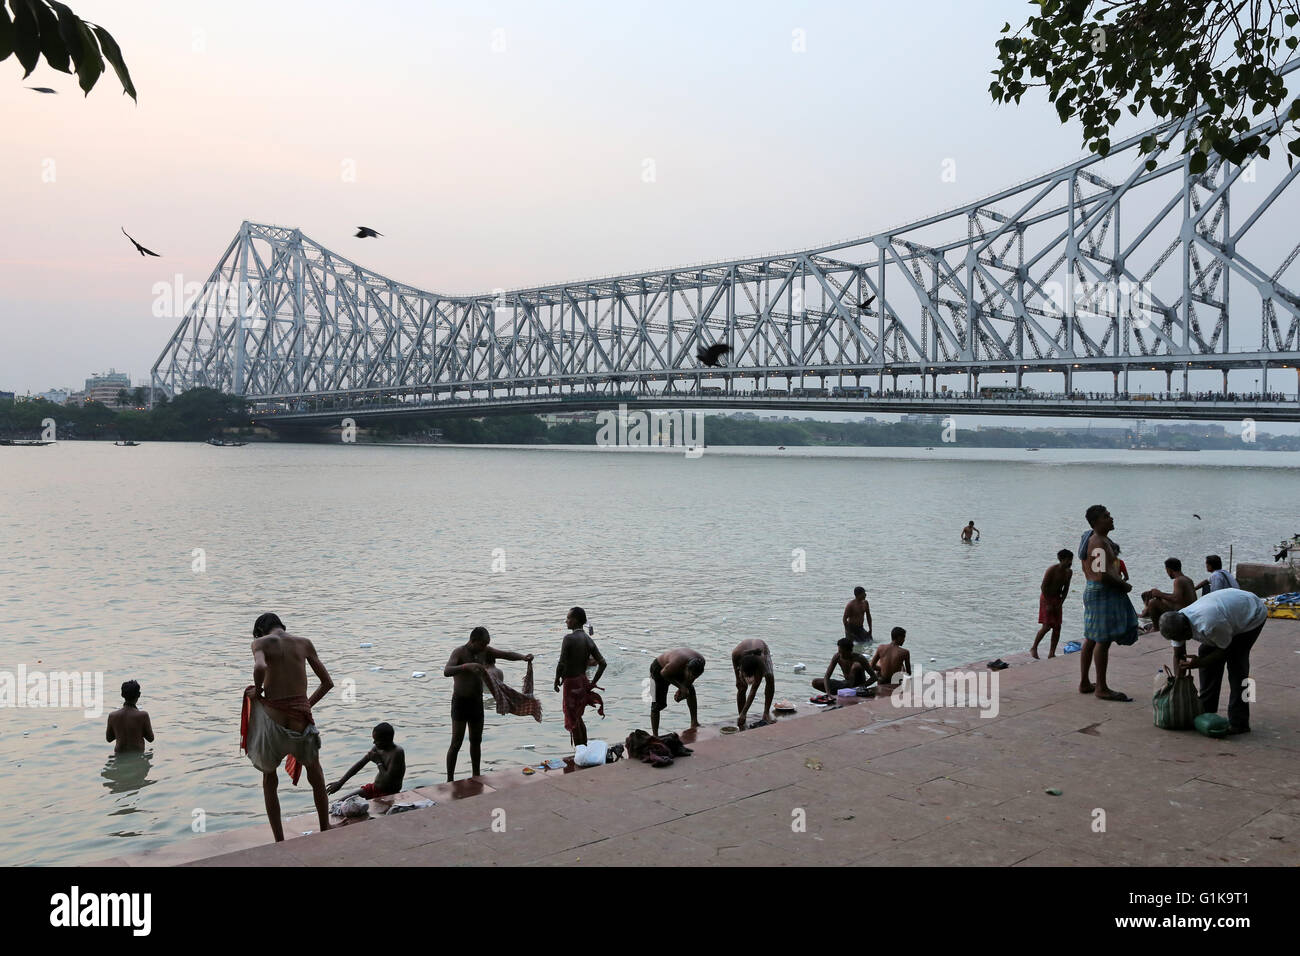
<point x="1054" y="791"/>
<point x="367" y="644"/>
<point x="417" y="673"/>
<point x="800" y="668"/>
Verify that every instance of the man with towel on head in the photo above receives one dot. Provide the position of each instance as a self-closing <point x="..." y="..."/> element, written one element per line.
<point x="276" y="722"/>
<point x="1108" y="615"/>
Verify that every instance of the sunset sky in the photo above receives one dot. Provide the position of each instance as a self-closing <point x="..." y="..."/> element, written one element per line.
<point x="494" y="144"/>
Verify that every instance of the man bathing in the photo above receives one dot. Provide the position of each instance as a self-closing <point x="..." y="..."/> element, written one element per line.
<point x="1158" y="602"/>
<point x="1051" y="599"/>
<point x="854" y="613"/>
<point x="855" y="668"/>
<point x="388" y="757"/>
<point x="892" y="659"/>
<point x="576" y="650"/>
<point x="1108" y="615"/>
<point x="680" y="667"/>
<point x="970" y="529"/>
<point x="128" y="726"/>
<point x="752" y="662"/>
<point x="466" y="666"/>
<point x="278" y="718"/>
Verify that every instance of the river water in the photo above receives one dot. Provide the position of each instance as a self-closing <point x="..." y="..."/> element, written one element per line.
<point x="407" y="548"/>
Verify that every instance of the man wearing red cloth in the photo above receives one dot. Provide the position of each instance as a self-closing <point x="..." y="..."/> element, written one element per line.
<point x="571" y="671"/>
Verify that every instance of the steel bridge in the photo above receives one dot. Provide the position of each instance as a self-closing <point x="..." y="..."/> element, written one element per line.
<point x="1099" y="266"/>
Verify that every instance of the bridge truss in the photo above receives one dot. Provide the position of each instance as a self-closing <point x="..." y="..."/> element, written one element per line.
<point x="1100" y="265"/>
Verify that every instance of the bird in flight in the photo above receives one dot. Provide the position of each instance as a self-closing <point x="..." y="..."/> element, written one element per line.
<point x="1196" y="516"/>
<point x="365" y="232"/>
<point x="866" y="303"/>
<point x="42" y="89"/>
<point x="143" y="251"/>
<point x="712" y="355"/>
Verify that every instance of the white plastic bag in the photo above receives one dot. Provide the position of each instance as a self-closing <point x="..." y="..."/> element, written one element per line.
<point x="590" y="754"/>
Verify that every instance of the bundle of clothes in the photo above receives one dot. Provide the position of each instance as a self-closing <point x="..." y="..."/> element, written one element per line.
<point x="656" y="751"/>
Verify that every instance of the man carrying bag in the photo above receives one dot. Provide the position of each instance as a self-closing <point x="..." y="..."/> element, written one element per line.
<point x="1226" y="623"/>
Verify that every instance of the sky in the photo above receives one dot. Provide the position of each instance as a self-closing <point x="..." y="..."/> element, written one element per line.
<point x="494" y="144"/>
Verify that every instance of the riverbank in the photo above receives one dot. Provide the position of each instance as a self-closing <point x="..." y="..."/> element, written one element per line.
<point x="876" y="784"/>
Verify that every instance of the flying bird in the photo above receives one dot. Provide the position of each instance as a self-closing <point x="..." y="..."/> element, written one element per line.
<point x="1196" y="516"/>
<point x="142" y="249"/>
<point x="711" y="356"/>
<point x="365" y="232"/>
<point x="866" y="303"/>
<point x="42" y="89"/>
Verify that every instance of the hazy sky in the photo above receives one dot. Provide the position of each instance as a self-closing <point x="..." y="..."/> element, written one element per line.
<point x="494" y="144"/>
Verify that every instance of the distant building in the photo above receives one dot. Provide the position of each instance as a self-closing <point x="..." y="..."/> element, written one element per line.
<point x="922" y="419"/>
<point x="6" y="396"/>
<point x="58" y="396"/>
<point x="112" y="378"/>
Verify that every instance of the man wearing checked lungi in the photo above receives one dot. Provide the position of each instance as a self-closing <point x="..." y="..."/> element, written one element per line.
<point x="1108" y="615"/>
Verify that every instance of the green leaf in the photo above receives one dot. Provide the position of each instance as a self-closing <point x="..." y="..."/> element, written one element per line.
<point x="27" y="44"/>
<point x="6" y="33"/>
<point x="1294" y="147"/>
<point x="52" y="45"/>
<point x="113" y="53"/>
<point x="1197" y="163"/>
<point x="91" y="64"/>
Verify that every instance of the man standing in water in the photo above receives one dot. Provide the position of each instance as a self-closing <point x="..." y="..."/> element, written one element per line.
<point x="970" y="529"/>
<point x="466" y="666"/>
<point x="679" y="667"/>
<point x="854" y="613"/>
<point x="278" y="715"/>
<point x="576" y="650"/>
<point x="1108" y="615"/>
<point x="129" y="726"/>
<point x="1051" y="598"/>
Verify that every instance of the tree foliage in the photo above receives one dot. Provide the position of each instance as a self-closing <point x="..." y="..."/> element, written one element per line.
<point x="1177" y="57"/>
<point x="34" y="29"/>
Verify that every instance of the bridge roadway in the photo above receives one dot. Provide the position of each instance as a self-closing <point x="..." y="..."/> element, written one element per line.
<point x="1285" y="410"/>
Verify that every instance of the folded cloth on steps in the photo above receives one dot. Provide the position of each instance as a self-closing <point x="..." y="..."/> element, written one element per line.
<point x="579" y="693"/>
<point x="517" y="703"/>
<point x="267" y="743"/>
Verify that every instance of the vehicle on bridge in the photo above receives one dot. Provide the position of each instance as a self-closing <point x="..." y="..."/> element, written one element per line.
<point x="808" y="393"/>
<point x="851" y="391"/>
<point x="1005" y="391"/>
<point x="711" y="390"/>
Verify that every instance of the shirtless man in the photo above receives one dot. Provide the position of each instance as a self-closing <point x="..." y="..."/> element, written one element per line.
<point x="854" y="613"/>
<point x="280" y="662"/>
<point x="1108" y="615"/>
<point x="1158" y="602"/>
<point x="679" y="667"/>
<point x="129" y="726"/>
<point x="892" y="659"/>
<point x="466" y="666"/>
<point x="388" y="757"/>
<point x="1051" y="597"/>
<point x="967" y="531"/>
<point x="752" y="662"/>
<point x="576" y="650"/>
<point x="855" y="668"/>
